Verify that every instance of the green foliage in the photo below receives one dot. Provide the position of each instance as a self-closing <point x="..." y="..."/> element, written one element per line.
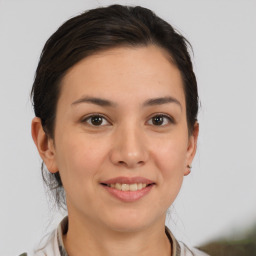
<point x="225" y="247"/>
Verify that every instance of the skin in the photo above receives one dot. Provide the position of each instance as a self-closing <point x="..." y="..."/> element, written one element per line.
<point x="128" y="143"/>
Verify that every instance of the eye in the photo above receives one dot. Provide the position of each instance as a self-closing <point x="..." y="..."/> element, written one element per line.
<point x="95" y="120"/>
<point x="160" y="120"/>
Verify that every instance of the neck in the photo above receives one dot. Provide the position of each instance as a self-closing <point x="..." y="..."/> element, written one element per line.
<point x="90" y="239"/>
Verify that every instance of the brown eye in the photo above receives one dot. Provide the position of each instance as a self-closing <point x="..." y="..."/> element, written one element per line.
<point x="96" y="120"/>
<point x="157" y="120"/>
<point x="160" y="120"/>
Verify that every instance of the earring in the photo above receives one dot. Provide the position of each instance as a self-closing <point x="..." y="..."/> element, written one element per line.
<point x="189" y="169"/>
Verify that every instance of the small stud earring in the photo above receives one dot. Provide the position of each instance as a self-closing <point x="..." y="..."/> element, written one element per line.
<point x="189" y="170"/>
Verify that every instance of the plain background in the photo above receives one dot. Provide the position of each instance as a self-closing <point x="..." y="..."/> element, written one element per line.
<point x="219" y="197"/>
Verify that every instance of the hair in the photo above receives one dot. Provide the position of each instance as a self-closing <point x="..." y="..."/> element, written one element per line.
<point x="98" y="30"/>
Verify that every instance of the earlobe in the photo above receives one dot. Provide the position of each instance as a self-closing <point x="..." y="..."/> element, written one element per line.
<point x="44" y="145"/>
<point x="188" y="170"/>
<point x="192" y="146"/>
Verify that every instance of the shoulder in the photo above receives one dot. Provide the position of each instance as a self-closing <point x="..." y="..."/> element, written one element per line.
<point x="189" y="251"/>
<point x="51" y="244"/>
<point x="47" y="247"/>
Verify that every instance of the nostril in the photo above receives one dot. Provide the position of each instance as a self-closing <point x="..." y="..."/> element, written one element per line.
<point x="130" y="163"/>
<point x="122" y="162"/>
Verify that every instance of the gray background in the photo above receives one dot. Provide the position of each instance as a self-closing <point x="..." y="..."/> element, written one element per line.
<point x="219" y="197"/>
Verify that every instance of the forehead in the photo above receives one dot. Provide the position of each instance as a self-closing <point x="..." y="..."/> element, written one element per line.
<point x="123" y="72"/>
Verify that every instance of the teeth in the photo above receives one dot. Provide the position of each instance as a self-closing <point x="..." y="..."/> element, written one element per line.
<point x="133" y="187"/>
<point x="128" y="187"/>
<point x="118" y="186"/>
<point x="125" y="187"/>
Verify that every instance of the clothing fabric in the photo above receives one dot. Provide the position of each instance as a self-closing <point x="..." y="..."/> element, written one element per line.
<point x="54" y="245"/>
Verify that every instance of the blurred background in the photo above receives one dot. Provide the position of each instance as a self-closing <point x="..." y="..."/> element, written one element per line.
<point x="218" y="199"/>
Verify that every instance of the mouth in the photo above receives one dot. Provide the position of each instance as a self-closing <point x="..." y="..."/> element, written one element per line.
<point x="128" y="189"/>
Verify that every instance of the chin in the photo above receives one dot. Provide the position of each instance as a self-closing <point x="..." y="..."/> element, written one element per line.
<point x="130" y="221"/>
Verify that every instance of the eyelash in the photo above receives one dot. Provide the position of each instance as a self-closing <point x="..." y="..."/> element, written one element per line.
<point x="170" y="119"/>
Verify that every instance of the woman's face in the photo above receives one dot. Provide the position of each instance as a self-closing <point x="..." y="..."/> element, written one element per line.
<point x="120" y="126"/>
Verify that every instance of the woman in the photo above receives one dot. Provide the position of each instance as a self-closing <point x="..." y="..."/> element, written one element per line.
<point x="115" y="99"/>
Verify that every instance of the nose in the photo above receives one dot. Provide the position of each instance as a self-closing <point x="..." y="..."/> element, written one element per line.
<point x="129" y="148"/>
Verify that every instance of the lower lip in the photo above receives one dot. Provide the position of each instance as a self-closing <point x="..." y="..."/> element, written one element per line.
<point x="129" y="196"/>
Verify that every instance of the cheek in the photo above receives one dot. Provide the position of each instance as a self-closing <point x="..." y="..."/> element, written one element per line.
<point x="78" y="159"/>
<point x="170" y="159"/>
<point x="171" y="156"/>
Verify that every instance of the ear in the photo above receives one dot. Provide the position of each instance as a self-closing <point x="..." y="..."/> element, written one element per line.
<point x="44" y="144"/>
<point x="192" y="146"/>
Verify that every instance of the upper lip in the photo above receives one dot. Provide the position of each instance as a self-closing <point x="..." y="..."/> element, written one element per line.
<point x="128" y="180"/>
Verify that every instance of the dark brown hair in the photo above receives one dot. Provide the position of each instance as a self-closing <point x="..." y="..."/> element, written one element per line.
<point x="97" y="30"/>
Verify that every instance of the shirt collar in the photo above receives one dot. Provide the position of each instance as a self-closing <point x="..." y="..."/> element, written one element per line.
<point x="62" y="230"/>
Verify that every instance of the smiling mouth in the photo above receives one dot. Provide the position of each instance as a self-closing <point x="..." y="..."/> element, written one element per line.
<point x="127" y="187"/>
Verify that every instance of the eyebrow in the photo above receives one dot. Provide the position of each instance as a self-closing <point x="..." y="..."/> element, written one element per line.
<point x="107" y="103"/>
<point x="161" y="101"/>
<point x="96" y="101"/>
